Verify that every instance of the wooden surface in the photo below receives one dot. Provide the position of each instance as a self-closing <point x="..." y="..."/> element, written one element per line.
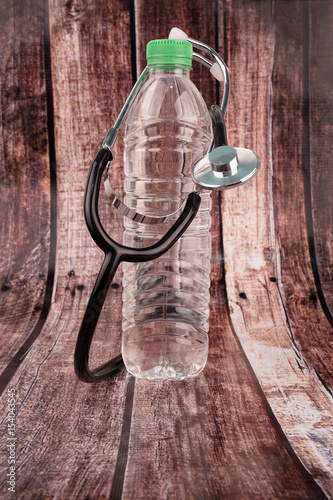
<point x="258" y="422"/>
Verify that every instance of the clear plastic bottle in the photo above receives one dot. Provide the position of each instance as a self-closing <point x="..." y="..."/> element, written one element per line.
<point x="166" y="301"/>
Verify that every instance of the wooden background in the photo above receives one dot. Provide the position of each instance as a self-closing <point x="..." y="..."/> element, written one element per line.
<point x="258" y="422"/>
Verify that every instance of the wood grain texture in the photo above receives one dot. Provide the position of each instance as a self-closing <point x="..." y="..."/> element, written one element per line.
<point x="321" y="144"/>
<point x="311" y="331"/>
<point x="24" y="173"/>
<point x="260" y="410"/>
<point x="268" y="272"/>
<point x="69" y="432"/>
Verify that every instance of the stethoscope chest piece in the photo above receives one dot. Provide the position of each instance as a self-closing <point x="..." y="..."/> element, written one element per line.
<point x="225" y="168"/>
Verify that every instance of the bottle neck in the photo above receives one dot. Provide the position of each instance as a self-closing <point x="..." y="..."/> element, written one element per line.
<point x="162" y="70"/>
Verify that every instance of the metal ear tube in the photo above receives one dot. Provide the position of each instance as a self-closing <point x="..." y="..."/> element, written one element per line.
<point x="223" y="167"/>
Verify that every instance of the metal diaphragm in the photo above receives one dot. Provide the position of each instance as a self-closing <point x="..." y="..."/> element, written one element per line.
<point x="207" y="173"/>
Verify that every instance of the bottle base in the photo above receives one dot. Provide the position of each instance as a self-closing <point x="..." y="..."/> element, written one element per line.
<point x="159" y="373"/>
<point x="165" y="356"/>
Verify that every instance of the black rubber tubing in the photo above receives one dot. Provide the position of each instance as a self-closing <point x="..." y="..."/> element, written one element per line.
<point x="114" y="254"/>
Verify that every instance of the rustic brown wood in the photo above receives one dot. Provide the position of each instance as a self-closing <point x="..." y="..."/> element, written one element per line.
<point x="321" y="133"/>
<point x="69" y="432"/>
<point x="312" y="332"/>
<point x="284" y="334"/>
<point x="24" y="174"/>
<point x="225" y="434"/>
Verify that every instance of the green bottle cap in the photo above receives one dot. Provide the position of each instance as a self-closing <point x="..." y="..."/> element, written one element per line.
<point x="169" y="53"/>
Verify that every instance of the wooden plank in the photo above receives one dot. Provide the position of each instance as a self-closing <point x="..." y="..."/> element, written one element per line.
<point x="212" y="437"/>
<point x="320" y="143"/>
<point x="268" y="273"/>
<point x="311" y="331"/>
<point x="69" y="432"/>
<point x="24" y="174"/>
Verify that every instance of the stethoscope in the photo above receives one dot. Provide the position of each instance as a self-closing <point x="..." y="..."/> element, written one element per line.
<point x="223" y="167"/>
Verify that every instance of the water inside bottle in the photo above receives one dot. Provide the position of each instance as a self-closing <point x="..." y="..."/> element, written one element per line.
<point x="166" y="301"/>
<point x="176" y="352"/>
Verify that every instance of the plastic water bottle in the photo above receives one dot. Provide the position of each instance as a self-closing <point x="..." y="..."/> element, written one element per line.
<point x="166" y="301"/>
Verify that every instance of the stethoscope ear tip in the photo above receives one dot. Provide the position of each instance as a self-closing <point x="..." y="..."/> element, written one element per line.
<point x="217" y="72"/>
<point x="177" y="34"/>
